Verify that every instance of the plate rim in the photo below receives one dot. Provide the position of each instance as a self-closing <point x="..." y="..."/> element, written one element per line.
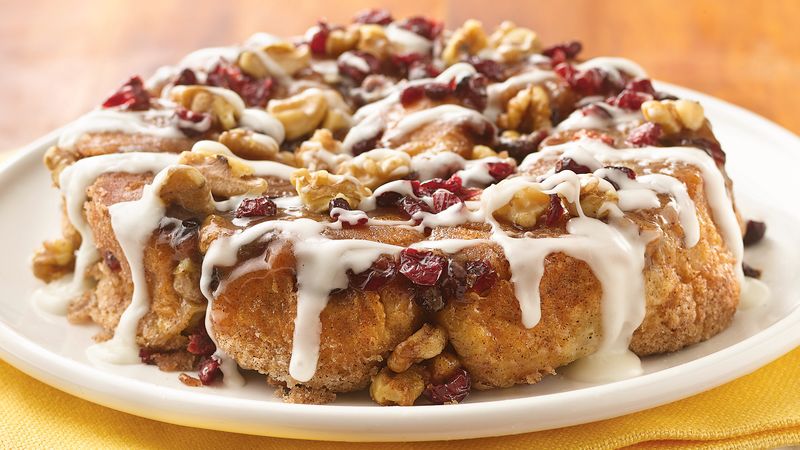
<point x="323" y="422"/>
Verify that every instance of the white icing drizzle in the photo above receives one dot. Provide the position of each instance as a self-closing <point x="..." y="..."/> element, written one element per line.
<point x="74" y="182"/>
<point x="617" y="119"/>
<point x="129" y="122"/>
<point x="614" y="252"/>
<point x="133" y="223"/>
<point x="407" y="41"/>
<point x="353" y="60"/>
<point x="713" y="182"/>
<point x="441" y="113"/>
<point x="614" y="66"/>
<point x="370" y="119"/>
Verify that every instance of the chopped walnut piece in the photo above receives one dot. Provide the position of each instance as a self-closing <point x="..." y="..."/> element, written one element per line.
<point x="54" y="259"/>
<point x="249" y="145"/>
<point x="301" y="113"/>
<point x="465" y="41"/>
<point x="317" y="189"/>
<point x="289" y="57"/>
<point x="595" y="194"/>
<point x="372" y="39"/>
<point x="513" y="43"/>
<point x="321" y="152"/>
<point x="199" y="99"/>
<point x="310" y="109"/>
<point x="525" y="207"/>
<point x="482" y="151"/>
<point x="186" y="187"/>
<point x="213" y="228"/>
<point x="342" y="40"/>
<point x="57" y="159"/>
<point x="403" y="389"/>
<point x="674" y="115"/>
<point x="227" y="175"/>
<point x="376" y="167"/>
<point x="443" y="367"/>
<point x="186" y="281"/>
<point x="189" y="380"/>
<point x="425" y="343"/>
<point x="527" y="111"/>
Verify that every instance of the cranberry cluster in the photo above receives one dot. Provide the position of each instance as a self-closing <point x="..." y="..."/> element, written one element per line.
<point x="453" y="390"/>
<point x="470" y="91"/>
<point x="433" y="276"/>
<point x="254" y="92"/>
<point x="131" y="96"/>
<point x="256" y="207"/>
<point x="562" y="52"/>
<point x="634" y="94"/>
<point x="436" y="277"/>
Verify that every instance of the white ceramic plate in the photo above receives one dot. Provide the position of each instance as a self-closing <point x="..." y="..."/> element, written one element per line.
<point x="763" y="160"/>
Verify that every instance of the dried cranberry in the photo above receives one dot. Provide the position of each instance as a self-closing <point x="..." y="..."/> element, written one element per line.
<point x="642" y="85"/>
<point x="191" y="123"/>
<point x="256" y="92"/>
<point x="585" y="82"/>
<point x="200" y="343"/>
<point x="339" y="203"/>
<point x="421" y="267"/>
<point x="626" y="170"/>
<point x="367" y="144"/>
<point x="319" y="39"/>
<point x="570" y="164"/>
<point x="253" y="91"/>
<point x="750" y="271"/>
<point x="443" y="199"/>
<point x="555" y="210"/>
<point x="712" y="148"/>
<point x="146" y="356"/>
<point x="131" y="96"/>
<point x="349" y="64"/>
<point x="453" y="391"/>
<point x="209" y="371"/>
<point x="255" y="207"/>
<point x="436" y="91"/>
<point x="379" y="273"/>
<point x="411" y="95"/>
<point x="595" y="109"/>
<point x="374" y="16"/>
<point x="480" y="276"/>
<point x="427" y="28"/>
<point x="645" y="135"/>
<point x="564" y="51"/>
<point x="454" y="284"/>
<point x="523" y="146"/>
<point x="388" y="199"/>
<point x="186" y="78"/>
<point x="414" y="66"/>
<point x="754" y="232"/>
<point x="471" y="91"/>
<point x="452" y="184"/>
<point x="412" y="206"/>
<point x="490" y="68"/>
<point x="500" y="170"/>
<point x="111" y="261"/>
<point x="429" y="298"/>
<point x="628" y="99"/>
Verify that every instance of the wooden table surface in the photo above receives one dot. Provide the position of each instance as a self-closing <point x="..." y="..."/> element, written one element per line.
<point x="59" y="59"/>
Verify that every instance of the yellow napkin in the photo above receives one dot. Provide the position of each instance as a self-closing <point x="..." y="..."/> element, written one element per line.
<point x="760" y="410"/>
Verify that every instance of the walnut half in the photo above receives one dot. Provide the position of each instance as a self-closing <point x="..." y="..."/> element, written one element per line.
<point x="317" y="189"/>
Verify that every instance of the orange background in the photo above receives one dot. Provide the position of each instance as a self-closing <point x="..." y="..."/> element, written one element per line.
<point x="59" y="59"/>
